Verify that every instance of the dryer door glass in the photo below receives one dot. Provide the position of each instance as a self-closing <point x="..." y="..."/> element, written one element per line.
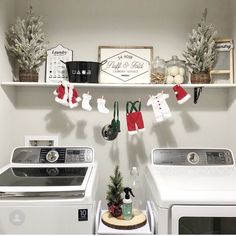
<point x="207" y="225"/>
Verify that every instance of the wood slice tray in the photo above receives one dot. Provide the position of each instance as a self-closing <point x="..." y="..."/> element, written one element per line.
<point x="138" y="220"/>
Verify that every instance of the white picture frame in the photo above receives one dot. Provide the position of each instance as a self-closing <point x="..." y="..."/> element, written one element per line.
<point x="125" y="64"/>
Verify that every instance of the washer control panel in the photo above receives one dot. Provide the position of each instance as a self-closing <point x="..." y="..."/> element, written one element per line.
<point x="197" y="157"/>
<point x="53" y="155"/>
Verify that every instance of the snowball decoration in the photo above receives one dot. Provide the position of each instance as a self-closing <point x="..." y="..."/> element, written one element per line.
<point x="181" y="71"/>
<point x="173" y="70"/>
<point x="179" y="79"/>
<point x="169" y="79"/>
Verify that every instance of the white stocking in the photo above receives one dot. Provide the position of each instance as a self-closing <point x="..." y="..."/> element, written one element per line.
<point x="85" y="103"/>
<point x="101" y="105"/>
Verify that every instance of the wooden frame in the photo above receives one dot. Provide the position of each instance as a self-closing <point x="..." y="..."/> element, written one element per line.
<point x="224" y="73"/>
<point x="125" y="64"/>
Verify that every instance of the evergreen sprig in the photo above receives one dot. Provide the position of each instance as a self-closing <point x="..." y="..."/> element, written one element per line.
<point x="115" y="188"/>
<point x="200" y="52"/>
<point x="26" y="42"/>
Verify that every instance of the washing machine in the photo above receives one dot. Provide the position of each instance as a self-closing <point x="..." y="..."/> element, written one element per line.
<point x="193" y="191"/>
<point x="48" y="190"/>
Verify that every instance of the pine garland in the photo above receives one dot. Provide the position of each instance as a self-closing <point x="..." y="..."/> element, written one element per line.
<point x="26" y="42"/>
<point x="115" y="188"/>
<point x="200" y="52"/>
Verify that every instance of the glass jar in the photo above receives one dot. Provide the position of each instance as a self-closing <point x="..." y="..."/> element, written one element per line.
<point x="158" y="71"/>
<point x="176" y="71"/>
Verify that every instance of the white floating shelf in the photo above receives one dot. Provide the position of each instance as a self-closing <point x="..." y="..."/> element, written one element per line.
<point x="91" y="85"/>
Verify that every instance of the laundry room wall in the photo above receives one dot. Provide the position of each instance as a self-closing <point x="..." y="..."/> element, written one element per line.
<point x="232" y="93"/>
<point x="83" y="26"/>
<point x="7" y="109"/>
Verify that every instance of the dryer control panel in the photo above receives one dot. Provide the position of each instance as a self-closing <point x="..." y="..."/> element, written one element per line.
<point x="53" y="155"/>
<point x="197" y="157"/>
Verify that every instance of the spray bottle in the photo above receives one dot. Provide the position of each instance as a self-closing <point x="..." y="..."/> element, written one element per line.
<point x="127" y="204"/>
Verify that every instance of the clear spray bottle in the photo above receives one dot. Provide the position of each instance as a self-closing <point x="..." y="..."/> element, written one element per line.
<point x="134" y="184"/>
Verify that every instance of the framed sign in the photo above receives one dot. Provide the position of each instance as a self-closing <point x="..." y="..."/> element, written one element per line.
<point x="55" y="69"/>
<point x="223" y="70"/>
<point x="125" y="64"/>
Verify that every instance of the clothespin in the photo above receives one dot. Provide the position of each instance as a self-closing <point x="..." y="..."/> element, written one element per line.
<point x="197" y="92"/>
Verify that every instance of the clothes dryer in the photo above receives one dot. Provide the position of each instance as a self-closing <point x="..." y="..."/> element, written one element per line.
<point x="193" y="191"/>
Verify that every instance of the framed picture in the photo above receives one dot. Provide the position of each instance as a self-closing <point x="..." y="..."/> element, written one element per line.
<point x="125" y="64"/>
<point x="55" y="68"/>
<point x="223" y="70"/>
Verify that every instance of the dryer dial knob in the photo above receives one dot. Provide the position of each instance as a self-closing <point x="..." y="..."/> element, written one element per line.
<point x="52" y="156"/>
<point x="193" y="158"/>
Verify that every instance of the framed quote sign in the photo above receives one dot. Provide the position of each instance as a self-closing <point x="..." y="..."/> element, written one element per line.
<point x="223" y="70"/>
<point x="125" y="64"/>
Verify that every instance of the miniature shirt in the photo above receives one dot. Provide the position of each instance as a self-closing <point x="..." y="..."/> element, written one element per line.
<point x="160" y="107"/>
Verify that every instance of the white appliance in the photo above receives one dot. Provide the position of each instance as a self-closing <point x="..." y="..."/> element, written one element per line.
<point x="48" y="190"/>
<point x="193" y="191"/>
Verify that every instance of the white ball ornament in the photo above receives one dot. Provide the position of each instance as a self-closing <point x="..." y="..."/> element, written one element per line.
<point x="181" y="71"/>
<point x="169" y="79"/>
<point x="179" y="79"/>
<point x="173" y="70"/>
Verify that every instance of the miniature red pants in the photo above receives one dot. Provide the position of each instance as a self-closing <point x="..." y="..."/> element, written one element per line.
<point x="134" y="119"/>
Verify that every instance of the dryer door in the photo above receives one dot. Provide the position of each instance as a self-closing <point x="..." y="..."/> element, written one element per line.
<point x="203" y="220"/>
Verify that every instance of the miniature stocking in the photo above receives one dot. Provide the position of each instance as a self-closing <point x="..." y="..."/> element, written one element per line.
<point x="181" y="95"/>
<point x="85" y="103"/>
<point x="101" y="106"/>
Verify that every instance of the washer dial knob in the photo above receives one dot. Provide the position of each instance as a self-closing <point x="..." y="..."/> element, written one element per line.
<point x="52" y="156"/>
<point x="193" y="158"/>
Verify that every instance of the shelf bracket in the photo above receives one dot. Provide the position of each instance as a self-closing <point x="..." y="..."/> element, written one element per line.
<point x="197" y="93"/>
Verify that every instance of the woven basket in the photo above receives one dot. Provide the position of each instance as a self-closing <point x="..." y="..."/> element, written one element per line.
<point x="28" y="76"/>
<point x="201" y="78"/>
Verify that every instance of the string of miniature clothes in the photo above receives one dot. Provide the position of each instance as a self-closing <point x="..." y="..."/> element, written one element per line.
<point x="67" y="95"/>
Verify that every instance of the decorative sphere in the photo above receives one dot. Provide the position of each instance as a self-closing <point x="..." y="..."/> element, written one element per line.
<point x="169" y="79"/>
<point x="179" y="79"/>
<point x="173" y="70"/>
<point x="181" y="71"/>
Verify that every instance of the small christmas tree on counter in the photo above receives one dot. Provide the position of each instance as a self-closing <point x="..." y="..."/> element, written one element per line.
<point x="200" y="52"/>
<point x="26" y="42"/>
<point x="114" y="193"/>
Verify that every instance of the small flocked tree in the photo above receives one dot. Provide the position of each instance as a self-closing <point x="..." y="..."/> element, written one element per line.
<point x="26" y="42"/>
<point x="200" y="52"/>
<point x="114" y="193"/>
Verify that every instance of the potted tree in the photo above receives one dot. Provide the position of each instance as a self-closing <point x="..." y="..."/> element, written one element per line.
<point x="26" y="42"/>
<point x="114" y="193"/>
<point x="200" y="53"/>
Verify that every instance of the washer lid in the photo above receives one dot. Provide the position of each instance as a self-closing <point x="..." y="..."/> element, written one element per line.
<point x="44" y="179"/>
<point x="171" y="185"/>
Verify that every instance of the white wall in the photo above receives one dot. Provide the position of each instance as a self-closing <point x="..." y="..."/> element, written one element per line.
<point x="82" y="26"/>
<point x="232" y="93"/>
<point x="7" y="14"/>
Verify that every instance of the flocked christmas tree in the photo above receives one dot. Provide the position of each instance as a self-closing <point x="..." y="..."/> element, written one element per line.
<point x="200" y="52"/>
<point x="114" y="193"/>
<point x="26" y="42"/>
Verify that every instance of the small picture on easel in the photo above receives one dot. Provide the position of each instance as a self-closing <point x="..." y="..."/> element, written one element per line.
<point x="223" y="70"/>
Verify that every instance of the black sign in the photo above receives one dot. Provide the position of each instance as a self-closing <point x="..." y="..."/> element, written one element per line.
<point x="83" y="215"/>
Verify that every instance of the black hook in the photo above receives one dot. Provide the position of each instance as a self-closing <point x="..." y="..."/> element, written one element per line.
<point x="197" y="92"/>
